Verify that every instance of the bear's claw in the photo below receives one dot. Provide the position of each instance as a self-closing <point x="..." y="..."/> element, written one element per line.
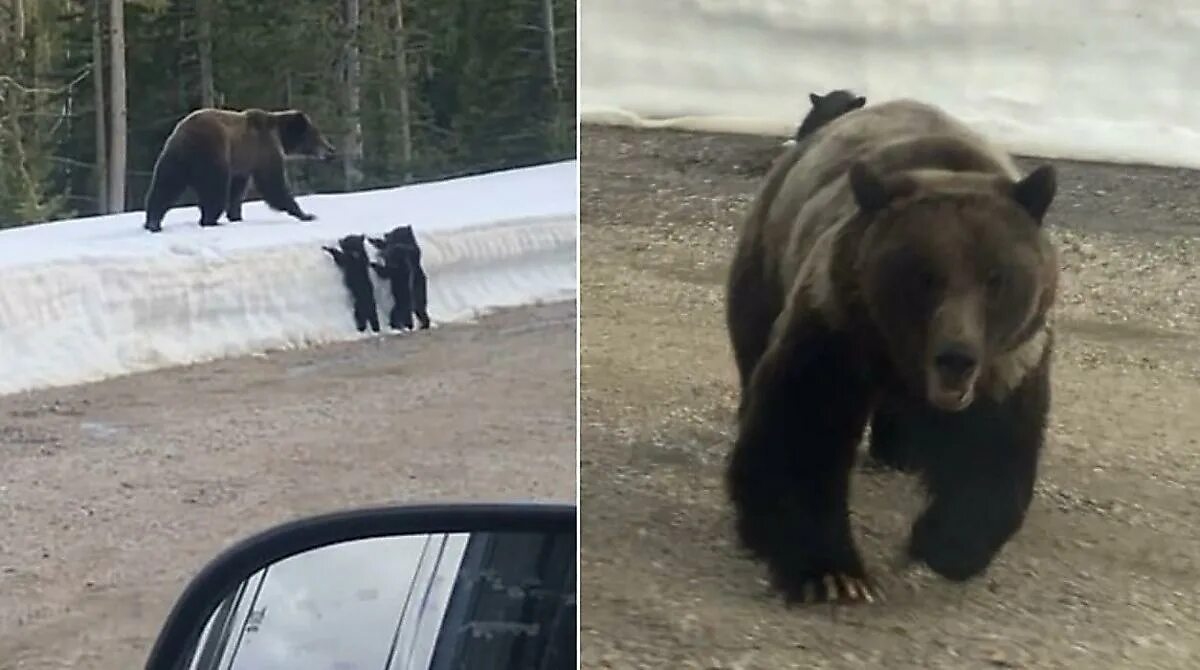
<point x="837" y="588"/>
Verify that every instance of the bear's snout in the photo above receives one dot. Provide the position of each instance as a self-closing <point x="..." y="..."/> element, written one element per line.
<point x="956" y="362"/>
<point x="951" y="378"/>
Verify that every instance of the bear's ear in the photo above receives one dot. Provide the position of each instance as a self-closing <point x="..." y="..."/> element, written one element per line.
<point x="814" y="99"/>
<point x="858" y="102"/>
<point x="1036" y="191"/>
<point x="870" y="193"/>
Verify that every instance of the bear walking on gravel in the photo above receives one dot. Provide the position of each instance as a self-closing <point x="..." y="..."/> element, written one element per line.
<point x="826" y="108"/>
<point x="402" y="268"/>
<point x="895" y="268"/>
<point x="216" y="152"/>
<point x="352" y="259"/>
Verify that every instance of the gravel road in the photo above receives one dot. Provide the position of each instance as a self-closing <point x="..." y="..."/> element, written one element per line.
<point x="113" y="494"/>
<point x="1104" y="573"/>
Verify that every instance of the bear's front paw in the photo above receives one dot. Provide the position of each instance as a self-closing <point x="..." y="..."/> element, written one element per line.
<point x="828" y="587"/>
<point x="305" y="216"/>
<point x="955" y="546"/>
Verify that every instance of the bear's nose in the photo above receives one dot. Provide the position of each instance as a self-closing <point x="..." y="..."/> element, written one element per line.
<point x="956" y="361"/>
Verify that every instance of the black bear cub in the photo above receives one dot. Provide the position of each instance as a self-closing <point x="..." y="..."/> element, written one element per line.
<point x="826" y="108"/>
<point x="402" y="268"/>
<point x="351" y="258"/>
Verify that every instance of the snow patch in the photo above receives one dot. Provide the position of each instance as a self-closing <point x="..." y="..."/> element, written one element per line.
<point x="1106" y="81"/>
<point x="87" y="299"/>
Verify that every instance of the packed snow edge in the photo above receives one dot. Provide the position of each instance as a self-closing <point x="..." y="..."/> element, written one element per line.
<point x="85" y="316"/>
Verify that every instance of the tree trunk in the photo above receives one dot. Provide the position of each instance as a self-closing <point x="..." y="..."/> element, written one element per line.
<point x="204" y="47"/>
<point x="19" y="25"/>
<point x="117" y="106"/>
<point x="549" y="45"/>
<point x="352" y="138"/>
<point x="406" y="144"/>
<point x="98" y="88"/>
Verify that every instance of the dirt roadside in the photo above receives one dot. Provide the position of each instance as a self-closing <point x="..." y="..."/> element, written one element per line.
<point x="1104" y="573"/>
<point x="113" y="494"/>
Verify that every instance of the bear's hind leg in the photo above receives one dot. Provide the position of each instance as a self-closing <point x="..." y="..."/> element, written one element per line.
<point x="789" y="474"/>
<point x="980" y="466"/>
<point x="365" y="312"/>
<point x="373" y="316"/>
<point x="400" y="319"/>
<point x="420" y="297"/>
<point x="237" y="192"/>
<point x="168" y="181"/>
<point x="361" y="320"/>
<point x="212" y="187"/>
<point x="404" y="294"/>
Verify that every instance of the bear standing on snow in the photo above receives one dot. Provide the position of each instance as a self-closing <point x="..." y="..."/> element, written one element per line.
<point x="217" y="151"/>
<point x="352" y="259"/>
<point x="895" y="268"/>
<point x="402" y="268"/>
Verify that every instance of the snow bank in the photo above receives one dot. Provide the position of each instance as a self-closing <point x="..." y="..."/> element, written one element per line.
<point x="86" y="299"/>
<point x="1109" y="81"/>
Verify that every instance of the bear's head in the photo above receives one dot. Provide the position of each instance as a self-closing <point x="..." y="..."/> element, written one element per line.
<point x="826" y="108"/>
<point x="401" y="236"/>
<point x="836" y="103"/>
<point x="301" y="137"/>
<point x="354" y="246"/>
<point x="955" y="271"/>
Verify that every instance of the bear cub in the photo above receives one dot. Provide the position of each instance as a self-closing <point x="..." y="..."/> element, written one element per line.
<point x="352" y="259"/>
<point x="216" y="152"/>
<point x="826" y="108"/>
<point x="402" y="268"/>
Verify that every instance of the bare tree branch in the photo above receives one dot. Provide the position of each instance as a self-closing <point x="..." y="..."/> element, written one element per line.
<point x="6" y="80"/>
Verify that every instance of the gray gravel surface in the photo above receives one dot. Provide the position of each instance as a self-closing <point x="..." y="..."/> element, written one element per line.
<point x="1104" y="573"/>
<point x="112" y="495"/>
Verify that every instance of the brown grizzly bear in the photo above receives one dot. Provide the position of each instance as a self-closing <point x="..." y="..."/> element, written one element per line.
<point x="895" y="268"/>
<point x="217" y="151"/>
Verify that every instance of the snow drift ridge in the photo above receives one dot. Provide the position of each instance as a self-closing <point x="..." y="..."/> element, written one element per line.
<point x="86" y="299"/>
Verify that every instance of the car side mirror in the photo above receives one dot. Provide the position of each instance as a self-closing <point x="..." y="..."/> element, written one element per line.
<point x="390" y="588"/>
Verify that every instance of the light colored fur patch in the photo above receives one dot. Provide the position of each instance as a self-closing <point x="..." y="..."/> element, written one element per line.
<point x="1008" y="371"/>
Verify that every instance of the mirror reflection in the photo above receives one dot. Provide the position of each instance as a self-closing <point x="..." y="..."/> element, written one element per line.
<point x="421" y="602"/>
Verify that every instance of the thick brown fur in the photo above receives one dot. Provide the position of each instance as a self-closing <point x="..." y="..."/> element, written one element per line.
<point x="895" y="267"/>
<point x="217" y="152"/>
